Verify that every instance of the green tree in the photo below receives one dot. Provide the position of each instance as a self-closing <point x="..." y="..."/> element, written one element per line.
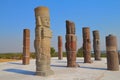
<point x="64" y="54"/>
<point x="80" y="52"/>
<point x="53" y="52"/>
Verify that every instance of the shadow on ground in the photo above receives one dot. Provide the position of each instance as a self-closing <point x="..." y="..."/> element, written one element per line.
<point x="15" y="63"/>
<point x="58" y="66"/>
<point x="93" y="68"/>
<point x="19" y="71"/>
<point x="61" y="61"/>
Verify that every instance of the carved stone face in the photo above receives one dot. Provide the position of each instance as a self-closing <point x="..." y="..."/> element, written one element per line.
<point x="42" y="16"/>
<point x="45" y="21"/>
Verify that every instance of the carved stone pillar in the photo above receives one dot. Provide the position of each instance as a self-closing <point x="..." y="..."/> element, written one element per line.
<point x="119" y="57"/>
<point x="86" y="45"/>
<point x="96" y="45"/>
<point x="112" y="54"/>
<point x="26" y="46"/>
<point x="43" y="35"/>
<point x="60" y="53"/>
<point x="70" y="44"/>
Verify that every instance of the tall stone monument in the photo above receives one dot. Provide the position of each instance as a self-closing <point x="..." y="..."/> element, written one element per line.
<point x="96" y="45"/>
<point x="119" y="57"/>
<point x="112" y="54"/>
<point x="70" y="44"/>
<point x="26" y="46"/>
<point x="43" y="35"/>
<point x="60" y="54"/>
<point x="86" y="45"/>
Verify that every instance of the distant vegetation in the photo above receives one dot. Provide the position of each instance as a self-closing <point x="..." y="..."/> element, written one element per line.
<point x="80" y="53"/>
<point x="11" y="56"/>
<point x="53" y="53"/>
<point x="16" y="56"/>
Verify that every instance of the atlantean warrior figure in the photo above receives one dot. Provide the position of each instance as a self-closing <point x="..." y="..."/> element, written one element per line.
<point x="71" y="44"/>
<point x="86" y="45"/>
<point x="112" y="53"/>
<point x="96" y="45"/>
<point x="43" y="35"/>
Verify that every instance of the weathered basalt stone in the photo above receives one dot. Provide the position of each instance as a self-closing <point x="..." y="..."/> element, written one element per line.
<point x="86" y="45"/>
<point x="96" y="45"/>
<point x="71" y="44"/>
<point x="26" y="46"/>
<point x="43" y="35"/>
<point x="112" y="54"/>
<point x="119" y="57"/>
<point x="60" y="54"/>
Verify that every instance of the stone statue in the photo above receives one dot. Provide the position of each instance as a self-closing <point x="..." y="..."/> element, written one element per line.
<point x="96" y="45"/>
<point x="43" y="35"/>
<point x="71" y="44"/>
<point x="112" y="53"/>
<point x="86" y="45"/>
<point x="119" y="57"/>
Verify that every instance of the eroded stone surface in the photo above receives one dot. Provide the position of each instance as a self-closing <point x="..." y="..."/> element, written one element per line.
<point x="96" y="45"/>
<point x="86" y="45"/>
<point x="42" y="46"/>
<point x="26" y="46"/>
<point x="70" y="44"/>
<point x="60" y="53"/>
<point x="119" y="56"/>
<point x="112" y="54"/>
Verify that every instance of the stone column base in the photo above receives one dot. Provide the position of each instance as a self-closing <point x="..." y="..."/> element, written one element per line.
<point x="76" y="65"/>
<point x="25" y="61"/>
<point x="98" y="59"/>
<point x="90" y="61"/>
<point x="44" y="73"/>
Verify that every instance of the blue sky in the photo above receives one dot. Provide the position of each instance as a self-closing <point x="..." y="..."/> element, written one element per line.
<point x="16" y="15"/>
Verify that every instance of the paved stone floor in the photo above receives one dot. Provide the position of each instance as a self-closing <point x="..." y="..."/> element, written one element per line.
<point x="95" y="71"/>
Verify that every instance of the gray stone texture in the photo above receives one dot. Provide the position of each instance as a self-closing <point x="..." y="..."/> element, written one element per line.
<point x="43" y="35"/>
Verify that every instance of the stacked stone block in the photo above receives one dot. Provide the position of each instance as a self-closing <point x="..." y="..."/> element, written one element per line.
<point x="112" y="53"/>
<point x="70" y="44"/>
<point x="60" y="54"/>
<point x="86" y="45"/>
<point x="43" y="35"/>
<point x="26" y="46"/>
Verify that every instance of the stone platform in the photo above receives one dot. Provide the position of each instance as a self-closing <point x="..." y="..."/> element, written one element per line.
<point x="94" y="71"/>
